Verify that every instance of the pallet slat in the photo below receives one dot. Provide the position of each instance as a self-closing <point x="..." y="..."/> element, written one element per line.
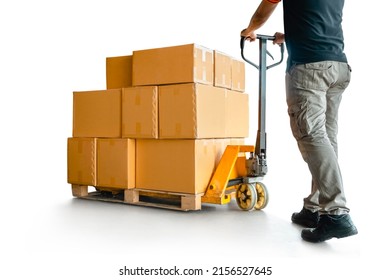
<point x="142" y="197"/>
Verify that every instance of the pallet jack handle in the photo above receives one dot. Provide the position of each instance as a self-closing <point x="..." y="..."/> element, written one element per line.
<point x="263" y="39"/>
<point x="260" y="149"/>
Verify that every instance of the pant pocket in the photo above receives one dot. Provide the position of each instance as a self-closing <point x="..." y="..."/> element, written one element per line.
<point x="312" y="75"/>
<point x="298" y="120"/>
<point x="346" y="77"/>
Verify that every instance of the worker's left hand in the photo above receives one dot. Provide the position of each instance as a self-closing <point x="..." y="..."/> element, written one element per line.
<point x="249" y="35"/>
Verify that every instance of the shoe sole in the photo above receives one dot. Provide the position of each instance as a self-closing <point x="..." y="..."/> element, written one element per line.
<point x="304" y="223"/>
<point x="338" y="236"/>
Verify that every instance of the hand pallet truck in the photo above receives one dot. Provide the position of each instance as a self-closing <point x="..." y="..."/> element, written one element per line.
<point x="236" y="175"/>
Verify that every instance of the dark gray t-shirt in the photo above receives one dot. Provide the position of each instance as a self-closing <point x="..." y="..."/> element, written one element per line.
<point x="313" y="31"/>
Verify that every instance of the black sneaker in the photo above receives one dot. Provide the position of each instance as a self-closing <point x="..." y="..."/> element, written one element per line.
<point x="305" y="218"/>
<point x="330" y="226"/>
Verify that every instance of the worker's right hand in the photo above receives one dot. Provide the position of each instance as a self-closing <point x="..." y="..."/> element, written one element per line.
<point x="248" y="35"/>
<point x="279" y="38"/>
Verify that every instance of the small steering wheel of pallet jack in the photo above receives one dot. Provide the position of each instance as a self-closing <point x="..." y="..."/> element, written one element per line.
<point x="236" y="175"/>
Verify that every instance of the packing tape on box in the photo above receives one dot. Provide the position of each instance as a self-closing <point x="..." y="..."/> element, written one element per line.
<point x="178" y="129"/>
<point x="93" y="161"/>
<point x="206" y="54"/>
<point x="194" y="114"/>
<point x="201" y="74"/>
<point x="137" y="100"/>
<point x="155" y="114"/>
<point x="205" y="147"/>
<point x="79" y="176"/>
<point x="80" y="146"/>
<point x="138" y="128"/>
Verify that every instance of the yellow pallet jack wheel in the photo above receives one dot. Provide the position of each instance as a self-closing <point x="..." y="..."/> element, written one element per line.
<point x="251" y="196"/>
<point x="246" y="196"/>
<point x="262" y="196"/>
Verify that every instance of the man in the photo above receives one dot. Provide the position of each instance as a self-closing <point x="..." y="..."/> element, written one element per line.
<point x="317" y="74"/>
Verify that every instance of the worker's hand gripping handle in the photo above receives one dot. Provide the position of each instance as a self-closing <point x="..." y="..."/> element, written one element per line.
<point x="261" y="38"/>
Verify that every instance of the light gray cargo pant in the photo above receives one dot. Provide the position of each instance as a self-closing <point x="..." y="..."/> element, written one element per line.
<point x="313" y="93"/>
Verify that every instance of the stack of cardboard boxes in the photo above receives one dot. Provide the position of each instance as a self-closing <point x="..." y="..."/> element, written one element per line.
<point x="163" y="122"/>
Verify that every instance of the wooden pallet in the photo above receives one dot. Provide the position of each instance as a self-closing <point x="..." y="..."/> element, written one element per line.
<point x="151" y="198"/>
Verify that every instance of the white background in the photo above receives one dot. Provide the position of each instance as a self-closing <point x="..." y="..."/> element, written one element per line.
<point x="51" y="48"/>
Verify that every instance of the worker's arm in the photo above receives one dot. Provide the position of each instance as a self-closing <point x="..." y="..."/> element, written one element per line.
<point x="261" y="15"/>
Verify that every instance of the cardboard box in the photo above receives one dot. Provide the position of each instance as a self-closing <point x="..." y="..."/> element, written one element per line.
<point x="97" y="113"/>
<point x="181" y="166"/>
<point x="172" y="65"/>
<point x="222" y="70"/>
<point x="82" y="161"/>
<point x="191" y="111"/>
<point x="116" y="163"/>
<point x="119" y="71"/>
<point x="140" y="112"/>
<point x="195" y="111"/>
<point x="237" y="114"/>
<point x="238" y="75"/>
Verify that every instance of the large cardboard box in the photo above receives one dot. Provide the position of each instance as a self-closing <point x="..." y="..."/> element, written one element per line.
<point x="237" y="114"/>
<point x="172" y="65"/>
<point x="97" y="113"/>
<point x="195" y="111"/>
<point x="116" y="163"/>
<point x="119" y="71"/>
<point x="82" y="161"/>
<point x="222" y="70"/>
<point x="191" y="111"/>
<point x="181" y="166"/>
<point x="238" y="75"/>
<point x="140" y="112"/>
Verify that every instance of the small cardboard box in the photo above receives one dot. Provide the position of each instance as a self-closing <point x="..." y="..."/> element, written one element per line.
<point x="237" y="114"/>
<point x="238" y="75"/>
<point x="116" y="163"/>
<point x="181" y="166"/>
<point x="222" y="70"/>
<point x="97" y="113"/>
<point x="82" y="161"/>
<point x="172" y="65"/>
<point x="140" y="112"/>
<point x="191" y="111"/>
<point x="119" y="71"/>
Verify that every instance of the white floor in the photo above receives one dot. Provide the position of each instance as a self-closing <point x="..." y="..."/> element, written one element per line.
<point x="72" y="238"/>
